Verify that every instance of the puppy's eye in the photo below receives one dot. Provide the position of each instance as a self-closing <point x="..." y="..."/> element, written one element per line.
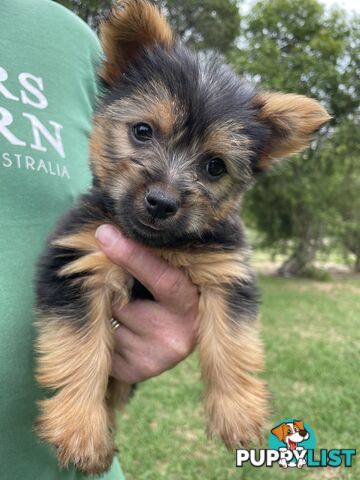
<point x="215" y="168"/>
<point x="142" y="132"/>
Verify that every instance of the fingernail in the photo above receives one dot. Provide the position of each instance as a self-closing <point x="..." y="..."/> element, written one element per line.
<point x="107" y="235"/>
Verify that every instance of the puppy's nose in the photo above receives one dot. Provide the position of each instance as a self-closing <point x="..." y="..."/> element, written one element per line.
<point x="303" y="433"/>
<point x="161" y="204"/>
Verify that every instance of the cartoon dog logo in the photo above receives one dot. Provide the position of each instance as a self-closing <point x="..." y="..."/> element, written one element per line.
<point x="291" y="434"/>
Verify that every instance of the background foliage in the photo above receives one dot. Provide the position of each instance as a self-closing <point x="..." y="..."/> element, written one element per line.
<point x="295" y="46"/>
<point x="311" y="202"/>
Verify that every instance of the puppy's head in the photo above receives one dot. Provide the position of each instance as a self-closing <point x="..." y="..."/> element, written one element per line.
<point x="178" y="138"/>
<point x="291" y="433"/>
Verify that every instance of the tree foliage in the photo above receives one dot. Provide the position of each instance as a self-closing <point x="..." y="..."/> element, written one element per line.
<point x="295" y="46"/>
<point x="89" y="10"/>
<point x="209" y="24"/>
<point x="342" y="156"/>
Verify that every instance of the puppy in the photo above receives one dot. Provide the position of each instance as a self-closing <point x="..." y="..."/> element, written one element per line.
<point x="175" y="143"/>
<point x="291" y="433"/>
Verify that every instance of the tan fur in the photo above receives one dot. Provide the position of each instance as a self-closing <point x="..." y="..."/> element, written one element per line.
<point x="156" y="107"/>
<point x="76" y="419"/>
<point x="98" y="160"/>
<point x="84" y="240"/>
<point x="230" y="350"/>
<point x="76" y="364"/>
<point x="91" y="262"/>
<point x="293" y="119"/>
<point x="230" y="354"/>
<point x="118" y="167"/>
<point x="134" y="24"/>
<point x="228" y="138"/>
<point x="79" y="418"/>
<point x="209" y="268"/>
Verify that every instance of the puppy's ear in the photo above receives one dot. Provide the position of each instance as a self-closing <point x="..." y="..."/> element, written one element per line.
<point x="292" y="120"/>
<point x="131" y="26"/>
<point x="299" y="424"/>
<point x="280" y="432"/>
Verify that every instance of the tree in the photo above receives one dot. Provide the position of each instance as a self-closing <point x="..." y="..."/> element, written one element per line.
<point x="89" y="10"/>
<point x="210" y="24"/>
<point x="344" y="150"/>
<point x="295" y="46"/>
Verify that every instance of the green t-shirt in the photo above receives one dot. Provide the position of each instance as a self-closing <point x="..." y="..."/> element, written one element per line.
<point x="47" y="91"/>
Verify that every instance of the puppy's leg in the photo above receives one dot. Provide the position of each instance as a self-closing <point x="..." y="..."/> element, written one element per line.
<point x="230" y="355"/>
<point x="75" y="346"/>
<point x="118" y="394"/>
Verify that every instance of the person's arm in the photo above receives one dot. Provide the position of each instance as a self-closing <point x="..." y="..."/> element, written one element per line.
<point x="154" y="335"/>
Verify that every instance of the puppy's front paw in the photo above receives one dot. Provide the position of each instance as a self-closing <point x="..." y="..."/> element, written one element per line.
<point x="301" y="463"/>
<point x="238" y="418"/>
<point x="82" y="438"/>
<point x="90" y="453"/>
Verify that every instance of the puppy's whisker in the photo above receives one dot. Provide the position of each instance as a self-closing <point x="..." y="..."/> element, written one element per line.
<point x="209" y="194"/>
<point x="137" y="161"/>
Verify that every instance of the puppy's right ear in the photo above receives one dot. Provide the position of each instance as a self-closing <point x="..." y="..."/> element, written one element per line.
<point x="131" y="26"/>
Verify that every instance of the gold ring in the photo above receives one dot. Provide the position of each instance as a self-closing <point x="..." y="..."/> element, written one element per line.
<point x="114" y="323"/>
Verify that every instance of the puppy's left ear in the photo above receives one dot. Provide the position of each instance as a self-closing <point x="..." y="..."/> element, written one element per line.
<point x="130" y="27"/>
<point x="291" y="119"/>
<point x="280" y="431"/>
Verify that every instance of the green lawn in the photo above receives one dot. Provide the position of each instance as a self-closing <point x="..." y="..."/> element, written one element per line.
<point x="311" y="332"/>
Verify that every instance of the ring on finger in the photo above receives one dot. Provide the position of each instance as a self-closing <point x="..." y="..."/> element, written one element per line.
<point x="114" y="323"/>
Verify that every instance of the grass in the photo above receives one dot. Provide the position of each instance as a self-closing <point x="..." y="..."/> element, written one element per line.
<point x="311" y="332"/>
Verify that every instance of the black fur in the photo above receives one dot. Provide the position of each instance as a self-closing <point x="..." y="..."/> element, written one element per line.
<point x="62" y="294"/>
<point x="243" y="299"/>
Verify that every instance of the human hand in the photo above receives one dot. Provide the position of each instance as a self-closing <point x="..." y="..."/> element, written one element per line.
<point x="153" y="335"/>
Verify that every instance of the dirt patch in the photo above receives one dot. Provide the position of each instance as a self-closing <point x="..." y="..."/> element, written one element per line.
<point x="330" y="334"/>
<point x="326" y="287"/>
<point x="270" y="267"/>
<point x="266" y="267"/>
<point x="326" y="474"/>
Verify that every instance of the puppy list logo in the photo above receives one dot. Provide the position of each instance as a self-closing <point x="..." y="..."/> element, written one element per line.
<point x="292" y="444"/>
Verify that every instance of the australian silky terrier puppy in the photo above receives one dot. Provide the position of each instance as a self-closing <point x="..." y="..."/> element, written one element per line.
<point x="176" y="141"/>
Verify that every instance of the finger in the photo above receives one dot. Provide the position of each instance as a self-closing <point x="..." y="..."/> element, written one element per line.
<point x="167" y="284"/>
<point x="122" y="369"/>
<point x="141" y="316"/>
<point x="129" y="369"/>
<point x="125" y="339"/>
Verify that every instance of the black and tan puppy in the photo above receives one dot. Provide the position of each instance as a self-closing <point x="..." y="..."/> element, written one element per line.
<point x="176" y="141"/>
